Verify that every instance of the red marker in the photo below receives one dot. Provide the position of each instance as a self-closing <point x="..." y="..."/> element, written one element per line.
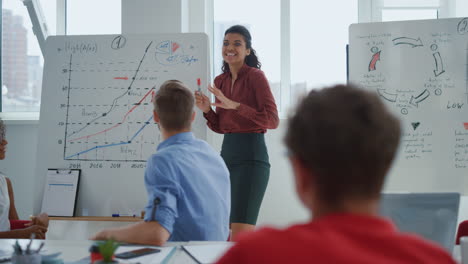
<point x="199" y="83"/>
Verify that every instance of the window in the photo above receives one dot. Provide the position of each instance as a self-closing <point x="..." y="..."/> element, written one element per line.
<point x="302" y="43"/>
<point x="408" y="14"/>
<point x="293" y="39"/>
<point x="462" y="8"/>
<point x="397" y="10"/>
<point x="264" y="26"/>
<point x="319" y="34"/>
<point x="22" y="60"/>
<point x="88" y="17"/>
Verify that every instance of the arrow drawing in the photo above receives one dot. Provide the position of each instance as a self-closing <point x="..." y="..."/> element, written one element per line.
<point x="421" y="97"/>
<point x="415" y="125"/>
<point x="387" y="96"/>
<point x="375" y="58"/>
<point x="408" y="41"/>
<point x="439" y="66"/>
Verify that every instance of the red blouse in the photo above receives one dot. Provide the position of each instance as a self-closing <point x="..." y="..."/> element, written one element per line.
<point x="257" y="111"/>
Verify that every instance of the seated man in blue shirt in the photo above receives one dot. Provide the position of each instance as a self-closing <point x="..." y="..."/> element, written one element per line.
<point x="187" y="181"/>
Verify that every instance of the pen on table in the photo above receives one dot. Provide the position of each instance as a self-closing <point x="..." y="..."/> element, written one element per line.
<point x="33" y="236"/>
<point x="119" y="215"/>
<point x="40" y="247"/>
<point x="199" y="84"/>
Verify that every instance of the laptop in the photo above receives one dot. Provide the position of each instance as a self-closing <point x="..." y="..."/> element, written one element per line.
<point x="434" y="216"/>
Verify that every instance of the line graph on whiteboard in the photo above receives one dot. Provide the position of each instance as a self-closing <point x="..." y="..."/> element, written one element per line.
<point x="112" y="131"/>
<point x="106" y="99"/>
<point x="109" y="123"/>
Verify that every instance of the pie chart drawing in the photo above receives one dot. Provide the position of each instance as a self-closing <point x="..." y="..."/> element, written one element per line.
<point x="169" y="52"/>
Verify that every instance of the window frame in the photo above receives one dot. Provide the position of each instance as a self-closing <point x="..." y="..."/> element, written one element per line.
<point x="371" y="10"/>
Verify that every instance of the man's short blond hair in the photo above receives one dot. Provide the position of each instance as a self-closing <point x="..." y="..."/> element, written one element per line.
<point x="174" y="104"/>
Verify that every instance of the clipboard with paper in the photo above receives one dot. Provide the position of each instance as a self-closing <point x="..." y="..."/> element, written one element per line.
<point x="61" y="192"/>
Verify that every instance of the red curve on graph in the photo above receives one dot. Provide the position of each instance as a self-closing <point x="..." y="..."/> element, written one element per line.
<point x="118" y="124"/>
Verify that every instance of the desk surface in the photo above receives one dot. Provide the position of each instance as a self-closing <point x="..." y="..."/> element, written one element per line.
<point x="76" y="250"/>
<point x="98" y="218"/>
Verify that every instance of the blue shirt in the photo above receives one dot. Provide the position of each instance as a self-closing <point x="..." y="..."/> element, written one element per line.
<point x="188" y="189"/>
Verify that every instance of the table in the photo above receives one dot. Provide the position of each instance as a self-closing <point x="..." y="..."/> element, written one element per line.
<point x="84" y="227"/>
<point x="74" y="250"/>
<point x="96" y="218"/>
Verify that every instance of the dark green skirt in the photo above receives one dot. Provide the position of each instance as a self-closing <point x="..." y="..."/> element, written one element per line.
<point x="246" y="157"/>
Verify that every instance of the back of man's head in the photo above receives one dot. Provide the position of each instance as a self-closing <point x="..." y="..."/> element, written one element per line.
<point x="347" y="138"/>
<point x="174" y="105"/>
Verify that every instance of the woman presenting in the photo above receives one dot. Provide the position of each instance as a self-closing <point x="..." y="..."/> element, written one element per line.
<point x="245" y="109"/>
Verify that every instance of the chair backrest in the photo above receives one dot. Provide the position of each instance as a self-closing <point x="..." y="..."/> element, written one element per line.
<point x="18" y="224"/>
<point x="434" y="216"/>
<point x="462" y="231"/>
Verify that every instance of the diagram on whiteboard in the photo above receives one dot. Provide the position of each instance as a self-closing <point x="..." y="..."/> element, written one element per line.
<point x="419" y="69"/>
<point x="424" y="60"/>
<point x="434" y="84"/>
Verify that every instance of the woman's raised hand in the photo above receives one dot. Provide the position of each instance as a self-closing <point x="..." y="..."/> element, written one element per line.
<point x="224" y="102"/>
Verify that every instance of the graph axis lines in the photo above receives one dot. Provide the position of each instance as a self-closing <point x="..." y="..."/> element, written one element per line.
<point x="129" y="139"/>
<point x="68" y="108"/>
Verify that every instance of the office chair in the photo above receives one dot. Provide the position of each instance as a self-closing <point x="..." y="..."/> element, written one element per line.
<point x="18" y="224"/>
<point x="462" y="231"/>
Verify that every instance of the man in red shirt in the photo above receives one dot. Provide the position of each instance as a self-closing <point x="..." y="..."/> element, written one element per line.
<point x="341" y="141"/>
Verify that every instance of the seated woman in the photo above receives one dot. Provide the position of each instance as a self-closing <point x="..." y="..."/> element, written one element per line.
<point x="18" y="228"/>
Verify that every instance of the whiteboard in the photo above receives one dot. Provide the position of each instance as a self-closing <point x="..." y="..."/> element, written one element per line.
<point x="419" y="69"/>
<point x="96" y="111"/>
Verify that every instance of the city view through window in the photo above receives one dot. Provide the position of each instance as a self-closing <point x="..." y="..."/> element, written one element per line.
<point x="22" y="60"/>
<point x="21" y="64"/>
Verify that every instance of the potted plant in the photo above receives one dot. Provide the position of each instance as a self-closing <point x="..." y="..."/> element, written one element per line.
<point x="107" y="249"/>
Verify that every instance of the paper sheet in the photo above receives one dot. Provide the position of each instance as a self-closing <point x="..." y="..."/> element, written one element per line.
<point x="207" y="254"/>
<point x="60" y="192"/>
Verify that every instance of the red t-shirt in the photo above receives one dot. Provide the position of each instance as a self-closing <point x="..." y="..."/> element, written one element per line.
<point x="257" y="111"/>
<point x="338" y="238"/>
